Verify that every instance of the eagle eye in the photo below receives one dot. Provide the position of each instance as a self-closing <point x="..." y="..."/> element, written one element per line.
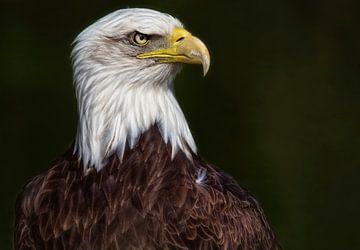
<point x="139" y="39"/>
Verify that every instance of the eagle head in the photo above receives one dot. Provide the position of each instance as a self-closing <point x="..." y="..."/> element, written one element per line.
<point x="124" y="67"/>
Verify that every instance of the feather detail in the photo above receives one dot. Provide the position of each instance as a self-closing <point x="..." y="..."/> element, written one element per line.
<point x="146" y="201"/>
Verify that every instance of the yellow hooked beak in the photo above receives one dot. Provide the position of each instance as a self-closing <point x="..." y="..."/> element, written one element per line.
<point x="183" y="48"/>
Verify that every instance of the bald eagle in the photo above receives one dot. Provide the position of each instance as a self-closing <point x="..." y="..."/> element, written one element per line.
<point x="132" y="179"/>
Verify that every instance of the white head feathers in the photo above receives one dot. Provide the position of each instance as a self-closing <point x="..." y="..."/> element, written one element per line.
<point x="120" y="96"/>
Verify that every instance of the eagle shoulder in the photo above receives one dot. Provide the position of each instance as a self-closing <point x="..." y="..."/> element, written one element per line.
<point x="42" y="214"/>
<point x="224" y="214"/>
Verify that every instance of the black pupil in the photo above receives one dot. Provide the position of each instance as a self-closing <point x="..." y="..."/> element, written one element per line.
<point x="141" y="37"/>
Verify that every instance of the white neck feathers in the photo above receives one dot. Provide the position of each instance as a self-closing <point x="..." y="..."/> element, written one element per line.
<point x="113" y="113"/>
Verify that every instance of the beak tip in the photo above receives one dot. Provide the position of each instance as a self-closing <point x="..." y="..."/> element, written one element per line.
<point x="205" y="72"/>
<point x="206" y="65"/>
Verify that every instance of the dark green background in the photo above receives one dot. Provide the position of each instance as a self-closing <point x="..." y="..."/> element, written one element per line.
<point x="279" y="109"/>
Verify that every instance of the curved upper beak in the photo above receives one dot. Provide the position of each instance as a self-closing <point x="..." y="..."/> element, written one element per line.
<point x="183" y="48"/>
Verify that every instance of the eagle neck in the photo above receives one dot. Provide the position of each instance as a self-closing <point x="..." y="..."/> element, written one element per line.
<point x="114" y="117"/>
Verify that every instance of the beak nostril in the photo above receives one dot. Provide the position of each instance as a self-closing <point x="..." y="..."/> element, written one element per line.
<point x="180" y="38"/>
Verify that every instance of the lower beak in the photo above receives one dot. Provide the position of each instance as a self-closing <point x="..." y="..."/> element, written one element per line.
<point x="183" y="48"/>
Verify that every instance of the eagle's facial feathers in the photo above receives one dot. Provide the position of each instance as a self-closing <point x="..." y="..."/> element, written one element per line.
<point x="124" y="68"/>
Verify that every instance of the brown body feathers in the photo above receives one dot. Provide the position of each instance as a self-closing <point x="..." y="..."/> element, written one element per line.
<point x="146" y="201"/>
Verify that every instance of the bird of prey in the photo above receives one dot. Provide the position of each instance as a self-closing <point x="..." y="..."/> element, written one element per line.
<point x="132" y="179"/>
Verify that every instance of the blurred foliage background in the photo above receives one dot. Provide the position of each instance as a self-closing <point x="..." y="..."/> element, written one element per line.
<point x="279" y="109"/>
